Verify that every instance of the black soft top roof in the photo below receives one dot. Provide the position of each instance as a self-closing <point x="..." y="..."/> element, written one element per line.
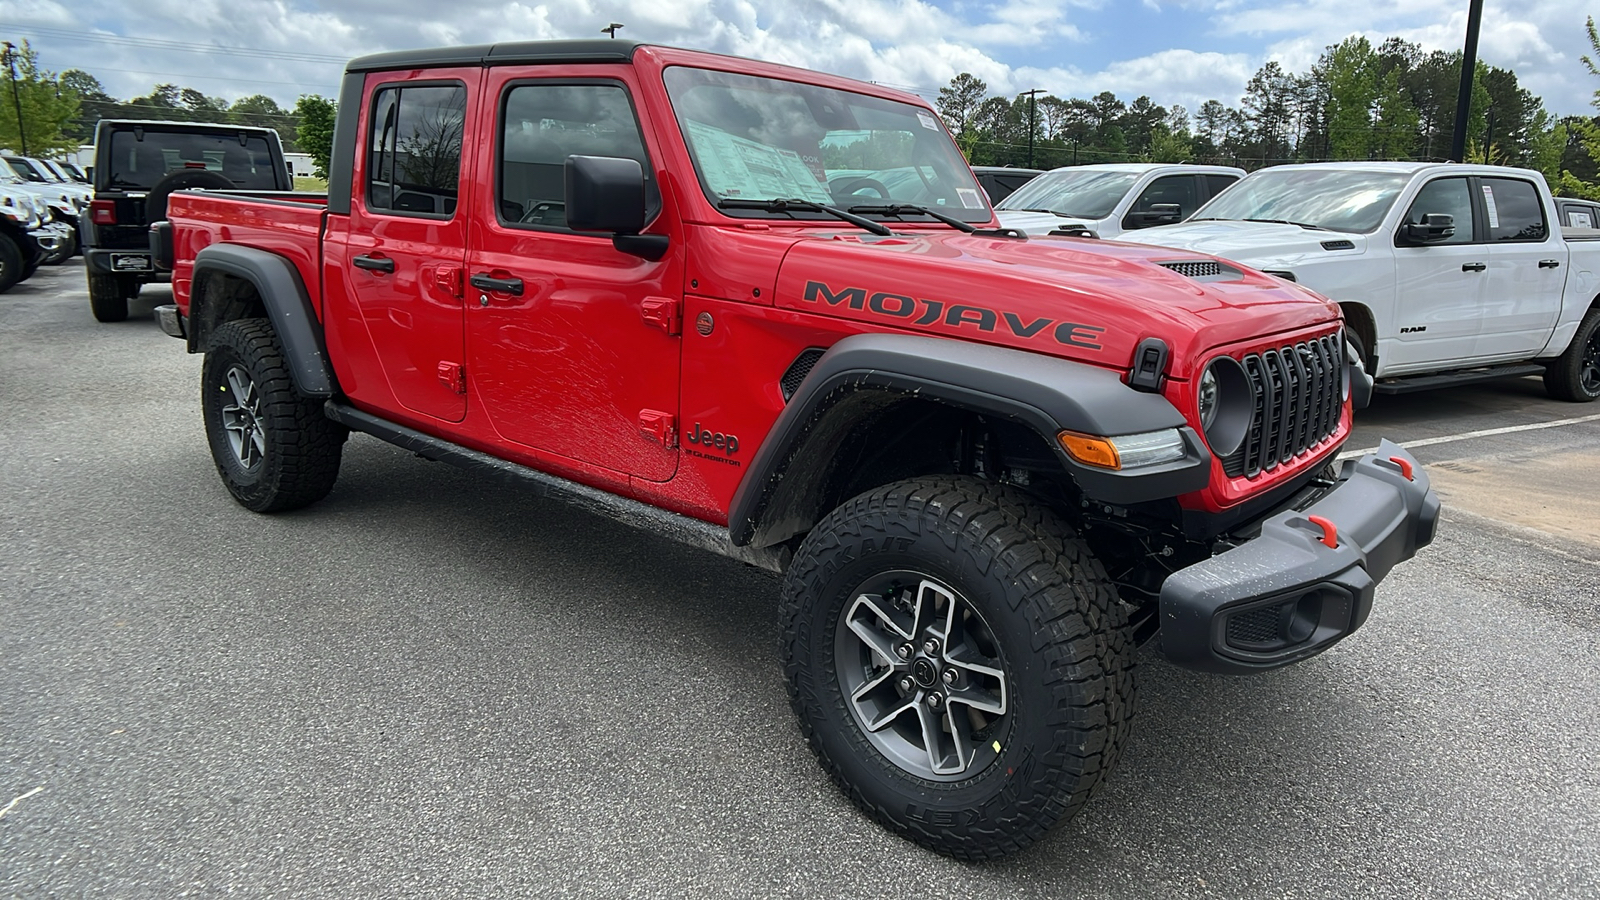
<point x="601" y="50"/>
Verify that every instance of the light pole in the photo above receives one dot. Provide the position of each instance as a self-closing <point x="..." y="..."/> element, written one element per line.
<point x="1031" y="119"/>
<point x="611" y="29"/>
<point x="1469" y="63"/>
<point x="11" y="66"/>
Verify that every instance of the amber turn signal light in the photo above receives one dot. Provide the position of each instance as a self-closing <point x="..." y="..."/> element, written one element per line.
<point x="1090" y="450"/>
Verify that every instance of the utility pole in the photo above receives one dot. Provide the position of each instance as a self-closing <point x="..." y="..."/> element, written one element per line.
<point x="611" y="29"/>
<point x="1469" y="64"/>
<point x="1031" y="120"/>
<point x="16" y="98"/>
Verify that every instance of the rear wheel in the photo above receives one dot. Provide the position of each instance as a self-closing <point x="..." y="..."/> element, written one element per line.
<point x="107" y="298"/>
<point x="1575" y="374"/>
<point x="274" y="448"/>
<point x="959" y="662"/>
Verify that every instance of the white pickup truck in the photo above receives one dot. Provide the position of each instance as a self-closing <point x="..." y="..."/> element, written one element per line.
<point x="1104" y="201"/>
<point x="1446" y="272"/>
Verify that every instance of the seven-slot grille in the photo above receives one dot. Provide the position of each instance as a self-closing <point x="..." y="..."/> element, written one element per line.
<point x="1299" y="393"/>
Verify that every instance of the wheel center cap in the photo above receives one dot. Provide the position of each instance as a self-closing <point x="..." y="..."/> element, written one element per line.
<point x="925" y="672"/>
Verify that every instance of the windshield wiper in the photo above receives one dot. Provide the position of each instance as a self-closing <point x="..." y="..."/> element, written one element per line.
<point x="1281" y="222"/>
<point x="899" y="210"/>
<point x="788" y="206"/>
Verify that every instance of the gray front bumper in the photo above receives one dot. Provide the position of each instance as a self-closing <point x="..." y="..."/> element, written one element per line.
<point x="1286" y="595"/>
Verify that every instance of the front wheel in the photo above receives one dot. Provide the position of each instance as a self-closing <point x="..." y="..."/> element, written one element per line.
<point x="274" y="448"/>
<point x="958" y="661"/>
<point x="1575" y="374"/>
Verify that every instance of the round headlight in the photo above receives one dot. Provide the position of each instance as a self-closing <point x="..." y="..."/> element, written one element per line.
<point x="1226" y="404"/>
<point x="1209" y="394"/>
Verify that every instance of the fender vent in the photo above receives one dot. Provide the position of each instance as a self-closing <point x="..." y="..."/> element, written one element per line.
<point x="1203" y="269"/>
<point x="798" y="370"/>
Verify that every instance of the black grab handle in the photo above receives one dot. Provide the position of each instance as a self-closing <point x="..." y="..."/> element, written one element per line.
<point x="511" y="286"/>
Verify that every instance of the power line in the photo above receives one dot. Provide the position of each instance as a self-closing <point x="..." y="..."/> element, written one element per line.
<point x="181" y="46"/>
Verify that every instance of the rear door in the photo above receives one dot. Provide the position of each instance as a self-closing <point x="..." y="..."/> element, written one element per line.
<point x="1526" y="256"/>
<point x="408" y="233"/>
<point x="573" y="344"/>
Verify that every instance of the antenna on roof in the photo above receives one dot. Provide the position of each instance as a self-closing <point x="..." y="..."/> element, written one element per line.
<point x="611" y="29"/>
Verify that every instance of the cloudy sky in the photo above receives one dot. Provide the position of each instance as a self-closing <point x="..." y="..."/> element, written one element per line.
<point x="1185" y="52"/>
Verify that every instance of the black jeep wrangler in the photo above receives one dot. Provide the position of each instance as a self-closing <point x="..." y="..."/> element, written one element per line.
<point x="136" y="166"/>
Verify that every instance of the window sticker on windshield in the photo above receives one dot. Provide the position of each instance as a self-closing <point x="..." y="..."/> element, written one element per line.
<point x="1488" y="199"/>
<point x="927" y="121"/>
<point x="1579" y="219"/>
<point x="969" y="198"/>
<point x="736" y="167"/>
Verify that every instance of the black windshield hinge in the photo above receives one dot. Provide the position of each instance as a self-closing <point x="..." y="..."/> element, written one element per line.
<point x="1149" y="365"/>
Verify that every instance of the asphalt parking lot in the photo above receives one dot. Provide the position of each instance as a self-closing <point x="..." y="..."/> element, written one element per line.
<point x="428" y="686"/>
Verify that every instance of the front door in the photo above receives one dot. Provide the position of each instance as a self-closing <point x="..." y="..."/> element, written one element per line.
<point x="573" y="348"/>
<point x="408" y="238"/>
<point x="1439" y="286"/>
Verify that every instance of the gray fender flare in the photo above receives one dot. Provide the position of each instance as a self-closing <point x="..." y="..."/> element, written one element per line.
<point x="288" y="307"/>
<point x="1045" y="393"/>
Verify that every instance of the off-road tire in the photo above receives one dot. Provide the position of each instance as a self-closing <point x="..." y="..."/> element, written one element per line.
<point x="1060" y="632"/>
<point x="12" y="264"/>
<point x="292" y="455"/>
<point x="107" y="298"/>
<point x="1575" y="374"/>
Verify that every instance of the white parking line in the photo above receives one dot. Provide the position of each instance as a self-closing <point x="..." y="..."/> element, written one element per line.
<point x="1487" y="432"/>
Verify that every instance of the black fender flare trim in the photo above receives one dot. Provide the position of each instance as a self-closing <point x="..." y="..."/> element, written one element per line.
<point x="1045" y="393"/>
<point x="288" y="306"/>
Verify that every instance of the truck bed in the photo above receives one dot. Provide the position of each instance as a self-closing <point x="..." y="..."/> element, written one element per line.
<point x="289" y="223"/>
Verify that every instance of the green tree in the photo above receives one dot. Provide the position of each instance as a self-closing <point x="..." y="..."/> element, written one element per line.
<point x="1349" y="69"/>
<point x="1585" y="133"/>
<point x="958" y="102"/>
<point x="314" y="134"/>
<point x="47" y="107"/>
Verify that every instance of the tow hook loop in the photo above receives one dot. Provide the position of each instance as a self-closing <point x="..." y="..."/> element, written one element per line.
<point x="1330" y="531"/>
<point x="1405" y="467"/>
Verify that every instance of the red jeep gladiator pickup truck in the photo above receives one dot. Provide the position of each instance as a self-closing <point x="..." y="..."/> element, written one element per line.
<point x="768" y="312"/>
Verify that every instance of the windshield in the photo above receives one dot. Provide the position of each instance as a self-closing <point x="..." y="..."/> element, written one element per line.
<point x="1075" y="192"/>
<point x="21" y="167"/>
<point x="765" y="139"/>
<point x="135" y="165"/>
<point x="1338" y="200"/>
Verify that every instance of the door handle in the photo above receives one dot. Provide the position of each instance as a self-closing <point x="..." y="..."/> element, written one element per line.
<point x="1549" y="263"/>
<point x="484" y="282"/>
<point x="374" y="264"/>
<point x="1473" y="267"/>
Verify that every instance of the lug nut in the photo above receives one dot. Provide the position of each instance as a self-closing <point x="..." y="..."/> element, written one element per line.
<point x="935" y="701"/>
<point x="906" y="683"/>
<point x="930" y="647"/>
<point x="950" y="676"/>
<point x="904" y="651"/>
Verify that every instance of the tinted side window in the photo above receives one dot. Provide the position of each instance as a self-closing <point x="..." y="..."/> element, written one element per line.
<point x="542" y="125"/>
<point x="1515" y="213"/>
<point x="414" y="150"/>
<point x="1179" y="189"/>
<point x="1450" y="196"/>
<point x="1216" y="184"/>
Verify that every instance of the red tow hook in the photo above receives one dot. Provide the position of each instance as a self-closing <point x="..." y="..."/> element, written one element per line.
<point x="1405" y="467"/>
<point x="1330" y="531"/>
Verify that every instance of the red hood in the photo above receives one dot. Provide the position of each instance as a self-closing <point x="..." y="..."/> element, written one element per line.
<point x="1083" y="299"/>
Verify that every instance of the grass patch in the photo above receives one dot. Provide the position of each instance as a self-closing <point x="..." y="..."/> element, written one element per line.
<point x="307" y="183"/>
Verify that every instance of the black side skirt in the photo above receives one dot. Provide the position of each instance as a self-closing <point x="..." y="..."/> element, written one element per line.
<point x="682" y="529"/>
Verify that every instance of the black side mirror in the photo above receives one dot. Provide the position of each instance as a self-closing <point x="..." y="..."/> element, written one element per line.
<point x="1158" y="214"/>
<point x="607" y="194"/>
<point x="1433" y="228"/>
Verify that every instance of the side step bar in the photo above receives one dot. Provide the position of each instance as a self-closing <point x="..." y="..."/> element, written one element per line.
<point x="1450" y="379"/>
<point x="682" y="529"/>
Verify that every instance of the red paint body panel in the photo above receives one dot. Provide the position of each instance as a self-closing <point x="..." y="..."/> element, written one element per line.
<point x="574" y="378"/>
